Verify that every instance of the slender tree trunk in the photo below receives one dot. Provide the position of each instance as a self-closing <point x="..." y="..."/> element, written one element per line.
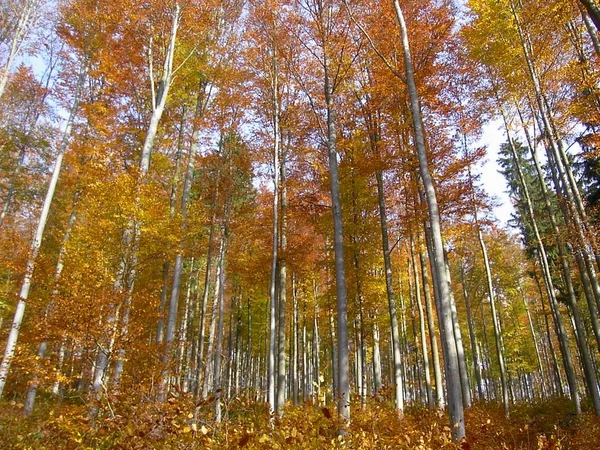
<point x="183" y="209"/>
<point x="389" y="286"/>
<point x="132" y="234"/>
<point x="571" y="203"/>
<point x="437" y="371"/>
<point x="377" y="381"/>
<point x="27" y="17"/>
<point x="340" y="276"/>
<point x="205" y="293"/>
<point x="295" y="373"/>
<point x="589" y="25"/>
<point x="593" y="11"/>
<point x="453" y="386"/>
<point x="495" y="324"/>
<point x="462" y="364"/>
<point x="36" y="242"/>
<point x="316" y="357"/>
<point x="217" y="386"/>
<point x="281" y="369"/>
<point x="430" y="399"/>
<point x="209" y="366"/>
<point x="472" y="336"/>
<point x="32" y="391"/>
<point x="334" y="359"/>
<point x="535" y="342"/>
<point x="563" y="342"/>
<point x="160" y="328"/>
<point x="271" y="375"/>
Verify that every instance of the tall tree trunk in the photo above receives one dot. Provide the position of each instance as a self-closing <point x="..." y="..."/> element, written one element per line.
<point x="430" y="399"/>
<point x="183" y="209"/>
<point x="36" y="242"/>
<point x="389" y="286"/>
<point x="377" y="381"/>
<point x="472" y="336"/>
<point x="535" y="342"/>
<point x="217" y="385"/>
<point x="281" y="368"/>
<point x="27" y="17"/>
<point x="340" y="275"/>
<point x="295" y="373"/>
<point x="205" y="293"/>
<point x="271" y="375"/>
<point x="437" y="371"/>
<point x="495" y="323"/>
<point x="131" y="233"/>
<point x="316" y="357"/>
<point x="60" y="261"/>
<point x="563" y="342"/>
<point x="462" y="364"/>
<point x="208" y="366"/>
<point x="593" y="11"/>
<point x="453" y="386"/>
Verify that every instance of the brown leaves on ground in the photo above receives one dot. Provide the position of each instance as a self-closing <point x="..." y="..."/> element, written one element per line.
<point x="142" y="424"/>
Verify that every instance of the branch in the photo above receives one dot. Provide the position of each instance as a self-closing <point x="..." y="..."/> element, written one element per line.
<point x="372" y="44"/>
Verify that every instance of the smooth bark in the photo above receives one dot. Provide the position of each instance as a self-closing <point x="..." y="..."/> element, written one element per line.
<point x="453" y="383"/>
<point x="36" y="242"/>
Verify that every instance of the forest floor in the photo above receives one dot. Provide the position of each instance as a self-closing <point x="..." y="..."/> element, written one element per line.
<point x="140" y="424"/>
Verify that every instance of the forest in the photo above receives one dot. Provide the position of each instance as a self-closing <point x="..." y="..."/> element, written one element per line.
<point x="265" y="224"/>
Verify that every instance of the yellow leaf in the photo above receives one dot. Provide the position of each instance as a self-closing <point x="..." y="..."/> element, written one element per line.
<point x="203" y="430"/>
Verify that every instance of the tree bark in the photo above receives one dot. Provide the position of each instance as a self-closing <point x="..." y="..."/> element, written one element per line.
<point x="340" y="276"/>
<point x="430" y="399"/>
<point x="389" y="286"/>
<point x="453" y="386"/>
<point x="32" y="391"/>
<point x="281" y="368"/>
<point x="36" y="242"/>
<point x="26" y="20"/>
<point x="593" y="11"/>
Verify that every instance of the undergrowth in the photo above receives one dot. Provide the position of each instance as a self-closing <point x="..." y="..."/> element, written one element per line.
<point x="139" y="423"/>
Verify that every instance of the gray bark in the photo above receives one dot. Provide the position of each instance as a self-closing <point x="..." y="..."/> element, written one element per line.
<point x="340" y="276"/>
<point x="36" y="242"/>
<point x="281" y="367"/>
<point x="430" y="399"/>
<point x="33" y="386"/>
<point x="472" y="336"/>
<point x="453" y="383"/>
<point x="27" y="18"/>
<point x="396" y="356"/>
<point x="593" y="11"/>
<point x="131" y="234"/>
<point x="495" y="324"/>
<point x="437" y="371"/>
<point x="271" y="375"/>
<point x="218" y="389"/>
